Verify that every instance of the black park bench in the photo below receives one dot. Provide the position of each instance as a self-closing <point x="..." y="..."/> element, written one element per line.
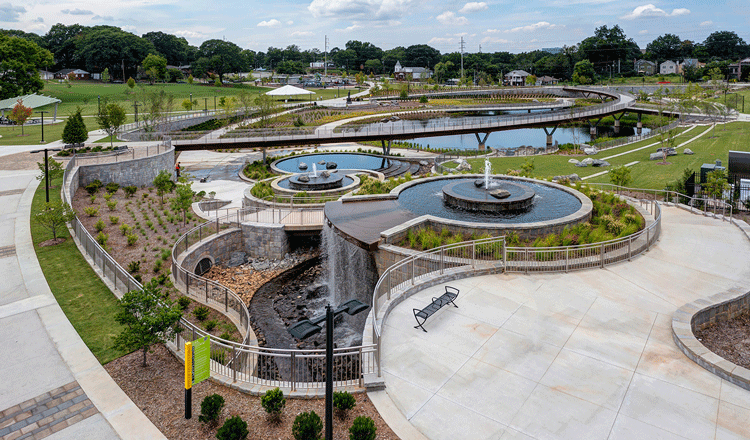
<point x="450" y="294"/>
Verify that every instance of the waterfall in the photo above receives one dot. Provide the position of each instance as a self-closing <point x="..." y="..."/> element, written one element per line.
<point x="487" y="168"/>
<point x="351" y="274"/>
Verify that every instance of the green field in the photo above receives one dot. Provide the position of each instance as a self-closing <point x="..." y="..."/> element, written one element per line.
<point x="87" y="302"/>
<point x="645" y="174"/>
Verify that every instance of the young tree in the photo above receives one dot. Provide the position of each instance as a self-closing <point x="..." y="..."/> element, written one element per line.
<point x="716" y="184"/>
<point x="20" y="114"/>
<point x="148" y="317"/>
<point x="155" y="67"/>
<point x="163" y="184"/>
<point x="54" y="216"/>
<point x="583" y="72"/>
<point x="183" y="199"/>
<point x="131" y="83"/>
<point x="75" y="131"/>
<point x="105" y="75"/>
<point x="156" y="108"/>
<point x="246" y="100"/>
<point x="266" y="107"/>
<point x="55" y="169"/>
<point x="620" y="176"/>
<point x="110" y="118"/>
<point x="531" y="80"/>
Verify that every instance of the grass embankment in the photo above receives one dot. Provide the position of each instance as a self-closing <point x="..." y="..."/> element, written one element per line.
<point x="87" y="302"/>
<point x="646" y="173"/>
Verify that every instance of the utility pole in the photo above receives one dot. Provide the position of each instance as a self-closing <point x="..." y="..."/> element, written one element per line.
<point x="461" y="46"/>
<point x="325" y="58"/>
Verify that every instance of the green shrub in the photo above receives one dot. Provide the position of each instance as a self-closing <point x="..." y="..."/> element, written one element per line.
<point x="113" y="219"/>
<point x="93" y="187"/>
<point x="274" y="402"/>
<point x="183" y="302"/>
<point x="102" y="239"/>
<point x="129" y="191"/>
<point x="211" y="408"/>
<point x="307" y="426"/>
<point x="423" y="99"/>
<point x="134" y="267"/>
<point x="108" y="197"/>
<point x="125" y="228"/>
<point x="343" y="402"/>
<point x="363" y="428"/>
<point x="112" y="205"/>
<point x="91" y="211"/>
<point x="112" y="187"/>
<point x="233" y="429"/>
<point x="158" y="266"/>
<point x="210" y="325"/>
<point x="201" y="313"/>
<point x="99" y="226"/>
<point x="132" y="239"/>
<point x="92" y="199"/>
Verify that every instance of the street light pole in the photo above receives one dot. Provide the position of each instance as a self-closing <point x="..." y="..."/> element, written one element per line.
<point x="205" y="105"/>
<point x="329" y="372"/>
<point x="42" y="112"/>
<point x="46" y="168"/>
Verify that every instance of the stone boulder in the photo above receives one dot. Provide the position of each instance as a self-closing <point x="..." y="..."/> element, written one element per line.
<point x="588" y="161"/>
<point x="655" y="156"/>
<point x="573" y="161"/>
<point x="500" y="193"/>
<point x="325" y="174"/>
<point x="237" y="259"/>
<point x="590" y="150"/>
<point x="304" y="178"/>
<point x="331" y="165"/>
<point x="600" y="163"/>
<point x="322" y="162"/>
<point x="581" y="165"/>
<point x="302" y="166"/>
<point x="463" y="166"/>
<point x="479" y="183"/>
<point x="424" y="163"/>
<point x="688" y="151"/>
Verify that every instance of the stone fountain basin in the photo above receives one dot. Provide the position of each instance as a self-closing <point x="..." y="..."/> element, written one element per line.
<point x="502" y="196"/>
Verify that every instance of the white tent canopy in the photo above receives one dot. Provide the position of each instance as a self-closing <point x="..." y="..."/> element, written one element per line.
<point x="289" y="91"/>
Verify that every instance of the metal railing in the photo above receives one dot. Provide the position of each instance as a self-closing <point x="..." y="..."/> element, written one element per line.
<point x="635" y="138"/>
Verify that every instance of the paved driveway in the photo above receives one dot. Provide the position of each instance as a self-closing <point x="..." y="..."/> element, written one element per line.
<point x="584" y="355"/>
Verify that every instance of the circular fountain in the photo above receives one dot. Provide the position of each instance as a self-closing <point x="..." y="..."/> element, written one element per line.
<point x="489" y="195"/>
<point x="316" y="181"/>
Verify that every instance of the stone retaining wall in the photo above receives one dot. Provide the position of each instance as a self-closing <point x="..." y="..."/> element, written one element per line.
<point x="218" y="249"/>
<point x="265" y="240"/>
<point x="137" y="172"/>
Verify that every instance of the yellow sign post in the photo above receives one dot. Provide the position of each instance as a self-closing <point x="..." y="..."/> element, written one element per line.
<point x="188" y="380"/>
<point x="197" y="368"/>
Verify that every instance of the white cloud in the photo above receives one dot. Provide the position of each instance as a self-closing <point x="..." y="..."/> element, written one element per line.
<point x="643" y="32"/>
<point x="364" y="10"/>
<point x="103" y="17"/>
<point x="534" y="27"/>
<point x="290" y="22"/>
<point x="270" y="23"/>
<point x="441" y="40"/>
<point x="77" y="11"/>
<point x="190" y="34"/>
<point x="303" y="34"/>
<point x="495" y="40"/>
<point x="651" y="11"/>
<point x="450" y="18"/>
<point x="38" y="20"/>
<point x="473" y="7"/>
<point x="9" y="12"/>
<point x="492" y="31"/>
<point x="707" y="23"/>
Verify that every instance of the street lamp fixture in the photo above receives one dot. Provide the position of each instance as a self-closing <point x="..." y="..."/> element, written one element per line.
<point x="46" y="167"/>
<point x="308" y="327"/>
<point x="42" y="113"/>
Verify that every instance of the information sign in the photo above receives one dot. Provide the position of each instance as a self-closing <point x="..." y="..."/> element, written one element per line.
<point x="201" y="359"/>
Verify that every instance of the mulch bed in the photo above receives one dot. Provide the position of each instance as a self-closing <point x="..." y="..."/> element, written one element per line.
<point x="158" y="390"/>
<point x="729" y="339"/>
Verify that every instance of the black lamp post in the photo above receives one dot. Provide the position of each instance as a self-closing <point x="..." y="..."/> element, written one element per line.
<point x="46" y="167"/>
<point x="306" y="328"/>
<point x="205" y="105"/>
<point x="135" y="105"/>
<point x="42" y="113"/>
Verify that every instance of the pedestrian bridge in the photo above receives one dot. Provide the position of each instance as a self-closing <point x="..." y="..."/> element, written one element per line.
<point x="265" y="138"/>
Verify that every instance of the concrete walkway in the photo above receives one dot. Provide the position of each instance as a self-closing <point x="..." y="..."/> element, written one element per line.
<point x="570" y="356"/>
<point x="52" y="386"/>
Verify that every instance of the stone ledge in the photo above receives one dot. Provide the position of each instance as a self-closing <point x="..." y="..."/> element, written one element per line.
<point x="700" y="313"/>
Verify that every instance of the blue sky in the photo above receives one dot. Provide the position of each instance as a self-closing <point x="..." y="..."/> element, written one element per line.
<point x="494" y="25"/>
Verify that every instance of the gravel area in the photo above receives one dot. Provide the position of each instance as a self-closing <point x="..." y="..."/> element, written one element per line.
<point x="729" y="339"/>
<point x="158" y="390"/>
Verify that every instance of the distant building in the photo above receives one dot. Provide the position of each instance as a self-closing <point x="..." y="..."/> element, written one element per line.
<point x="547" y="81"/>
<point x="516" y="78"/>
<point x="77" y="74"/>
<point x="735" y="70"/>
<point x="667" y="67"/>
<point x="43" y="74"/>
<point x="417" y="73"/>
<point x="552" y="50"/>
<point x="321" y="65"/>
<point x="645" y="67"/>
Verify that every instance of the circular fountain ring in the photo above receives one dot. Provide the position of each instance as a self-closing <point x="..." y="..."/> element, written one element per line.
<point x="506" y="197"/>
<point x="316" y="183"/>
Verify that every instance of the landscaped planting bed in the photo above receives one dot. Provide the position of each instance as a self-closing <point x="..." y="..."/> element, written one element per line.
<point x="138" y="231"/>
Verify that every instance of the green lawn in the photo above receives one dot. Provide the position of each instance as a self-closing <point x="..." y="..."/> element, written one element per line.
<point x="11" y="135"/>
<point x="86" y="301"/>
<point x="645" y="174"/>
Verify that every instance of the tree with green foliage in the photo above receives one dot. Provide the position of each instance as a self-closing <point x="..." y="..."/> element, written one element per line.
<point x="210" y="406"/>
<point x="527" y="168"/>
<point x="716" y="184"/>
<point x="20" y="113"/>
<point x="307" y="426"/>
<point x="620" y="176"/>
<point x="175" y="49"/>
<point x="234" y="428"/>
<point x="163" y="183"/>
<point x="131" y="83"/>
<point x="531" y="80"/>
<point x="155" y="67"/>
<point x="54" y="168"/>
<point x="273" y="402"/>
<point x="148" y="317"/>
<point x="267" y="106"/>
<point x="725" y="45"/>
<point x="54" y="215"/>
<point x="183" y="199"/>
<point x="220" y="57"/>
<point x="363" y="428"/>
<point x="583" y="72"/>
<point x="20" y="62"/>
<point x="110" y="118"/>
<point x="75" y="131"/>
<point x="109" y="46"/>
<point x="156" y="107"/>
<point x="105" y="75"/>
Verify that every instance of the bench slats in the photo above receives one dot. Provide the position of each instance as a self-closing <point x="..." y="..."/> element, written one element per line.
<point x="450" y="294"/>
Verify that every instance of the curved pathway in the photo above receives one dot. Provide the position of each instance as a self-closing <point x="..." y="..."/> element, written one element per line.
<point x="52" y="385"/>
<point x="570" y="356"/>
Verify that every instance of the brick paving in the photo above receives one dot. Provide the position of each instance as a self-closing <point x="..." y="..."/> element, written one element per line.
<point x="46" y="414"/>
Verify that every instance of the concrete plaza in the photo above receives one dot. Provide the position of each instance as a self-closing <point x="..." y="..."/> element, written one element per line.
<point x="583" y="355"/>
